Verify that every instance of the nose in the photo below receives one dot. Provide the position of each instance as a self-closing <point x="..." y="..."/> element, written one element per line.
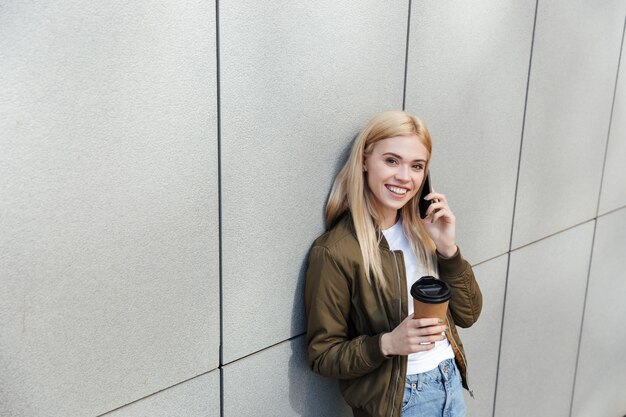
<point x="402" y="173"/>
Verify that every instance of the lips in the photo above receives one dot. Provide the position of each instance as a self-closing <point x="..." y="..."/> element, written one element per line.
<point x="397" y="190"/>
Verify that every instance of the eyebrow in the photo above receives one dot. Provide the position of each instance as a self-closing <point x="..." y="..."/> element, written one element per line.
<point x="399" y="157"/>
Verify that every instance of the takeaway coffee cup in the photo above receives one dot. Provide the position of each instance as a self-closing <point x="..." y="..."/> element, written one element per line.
<point x="430" y="298"/>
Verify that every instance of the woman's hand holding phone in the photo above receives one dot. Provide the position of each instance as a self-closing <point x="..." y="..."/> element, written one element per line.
<point x="440" y="222"/>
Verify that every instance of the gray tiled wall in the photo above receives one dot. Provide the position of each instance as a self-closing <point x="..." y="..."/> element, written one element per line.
<point x="469" y="85"/>
<point x="482" y="340"/>
<point x="614" y="179"/>
<point x="198" y="397"/>
<point x="600" y="388"/>
<point x="108" y="191"/>
<point x="277" y="382"/>
<point x="285" y="96"/>
<point x="544" y="307"/>
<point x="568" y="113"/>
<point x="164" y="166"/>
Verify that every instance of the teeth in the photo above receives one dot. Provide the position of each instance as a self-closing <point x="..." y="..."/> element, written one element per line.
<point x="397" y="190"/>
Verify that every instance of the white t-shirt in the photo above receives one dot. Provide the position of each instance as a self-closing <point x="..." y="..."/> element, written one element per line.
<point x="421" y="361"/>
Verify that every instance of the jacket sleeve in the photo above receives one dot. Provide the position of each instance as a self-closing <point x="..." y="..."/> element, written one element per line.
<point x="331" y="351"/>
<point x="467" y="300"/>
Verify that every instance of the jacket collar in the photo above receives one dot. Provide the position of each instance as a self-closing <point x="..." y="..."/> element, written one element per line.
<point x="382" y="242"/>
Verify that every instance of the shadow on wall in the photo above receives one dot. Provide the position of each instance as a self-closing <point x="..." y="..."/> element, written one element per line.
<point x="311" y="395"/>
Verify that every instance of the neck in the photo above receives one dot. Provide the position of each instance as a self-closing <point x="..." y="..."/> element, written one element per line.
<point x="388" y="219"/>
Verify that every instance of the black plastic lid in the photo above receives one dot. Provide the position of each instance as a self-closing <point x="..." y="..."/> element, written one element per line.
<point x="431" y="290"/>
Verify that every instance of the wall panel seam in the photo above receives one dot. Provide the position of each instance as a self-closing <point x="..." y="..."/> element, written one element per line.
<point x="519" y="163"/>
<point x="582" y="319"/>
<point x="264" y="349"/>
<point x="406" y="55"/>
<point x="553" y="234"/>
<point x="521" y="144"/>
<point x="608" y="133"/>
<point x="595" y="228"/>
<point x="157" y="392"/>
<point x="219" y="200"/>
<point x="489" y="259"/>
<point x="611" y="211"/>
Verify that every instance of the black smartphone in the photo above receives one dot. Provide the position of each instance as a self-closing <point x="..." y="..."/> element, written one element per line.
<point x="424" y="204"/>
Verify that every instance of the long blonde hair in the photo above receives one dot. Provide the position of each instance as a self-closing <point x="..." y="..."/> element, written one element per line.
<point x="351" y="193"/>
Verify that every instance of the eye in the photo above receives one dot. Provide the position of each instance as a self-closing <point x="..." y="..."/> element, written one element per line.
<point x="391" y="161"/>
<point x="418" y="167"/>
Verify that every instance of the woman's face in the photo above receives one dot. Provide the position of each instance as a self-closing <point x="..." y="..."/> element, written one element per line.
<point x="394" y="174"/>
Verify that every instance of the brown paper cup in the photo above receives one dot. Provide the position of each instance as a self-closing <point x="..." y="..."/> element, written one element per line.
<point x="424" y="311"/>
<point x="430" y="298"/>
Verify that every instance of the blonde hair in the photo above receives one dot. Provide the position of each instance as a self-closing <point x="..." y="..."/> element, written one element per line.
<point x="351" y="193"/>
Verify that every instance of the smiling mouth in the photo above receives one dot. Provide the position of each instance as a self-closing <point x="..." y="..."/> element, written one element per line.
<point x="396" y="190"/>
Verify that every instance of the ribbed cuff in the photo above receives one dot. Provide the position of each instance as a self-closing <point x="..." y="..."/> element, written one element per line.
<point x="372" y="350"/>
<point x="451" y="266"/>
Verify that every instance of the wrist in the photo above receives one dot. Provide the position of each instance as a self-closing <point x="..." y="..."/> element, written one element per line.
<point x="447" y="251"/>
<point x="385" y="343"/>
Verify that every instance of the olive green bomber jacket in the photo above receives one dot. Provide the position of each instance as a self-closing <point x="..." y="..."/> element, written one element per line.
<point x="346" y="318"/>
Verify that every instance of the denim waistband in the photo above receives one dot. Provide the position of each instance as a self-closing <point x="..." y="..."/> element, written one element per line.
<point x="443" y="372"/>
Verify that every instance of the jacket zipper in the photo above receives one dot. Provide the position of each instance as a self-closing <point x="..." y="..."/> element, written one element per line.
<point x="393" y="410"/>
<point x="464" y="361"/>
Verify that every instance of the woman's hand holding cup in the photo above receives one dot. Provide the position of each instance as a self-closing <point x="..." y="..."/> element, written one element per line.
<point x="413" y="335"/>
<point x="420" y="330"/>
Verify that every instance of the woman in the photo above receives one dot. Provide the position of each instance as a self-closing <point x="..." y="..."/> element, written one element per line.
<point x="360" y="328"/>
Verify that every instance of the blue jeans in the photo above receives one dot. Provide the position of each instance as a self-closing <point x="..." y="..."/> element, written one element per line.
<point x="436" y="393"/>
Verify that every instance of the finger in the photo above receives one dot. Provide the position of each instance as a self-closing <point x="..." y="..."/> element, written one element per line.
<point x="430" y="331"/>
<point x="436" y="207"/>
<point x="425" y="322"/>
<point x="421" y="348"/>
<point x="441" y="209"/>
<point x="427" y="331"/>
<point x="424" y="340"/>
<point x="438" y="214"/>
<point x="435" y="196"/>
<point x="443" y="213"/>
<point x="409" y="318"/>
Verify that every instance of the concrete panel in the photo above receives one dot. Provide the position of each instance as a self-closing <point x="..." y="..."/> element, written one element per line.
<point x="543" y="313"/>
<point x="572" y="80"/>
<point x="482" y="340"/>
<point x="298" y="79"/>
<point x="600" y="389"/>
<point x="467" y="76"/>
<point x="614" y="180"/>
<point x="278" y="382"/>
<point x="198" y="397"/>
<point x="109" y="245"/>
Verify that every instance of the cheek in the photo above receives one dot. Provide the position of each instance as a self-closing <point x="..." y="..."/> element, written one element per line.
<point x="419" y="179"/>
<point x="371" y="181"/>
<point x="373" y="175"/>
